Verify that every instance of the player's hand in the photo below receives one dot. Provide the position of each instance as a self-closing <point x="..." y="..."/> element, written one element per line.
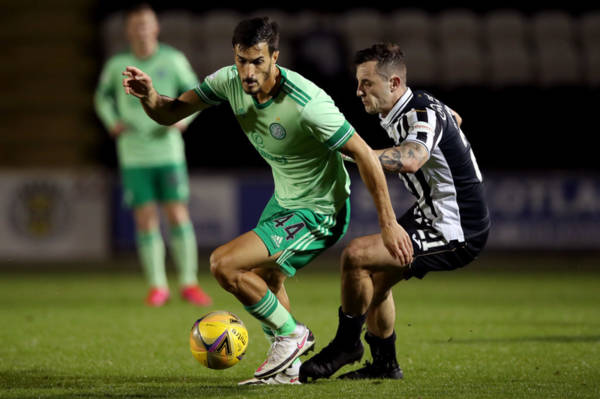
<point x="397" y="242"/>
<point x="137" y="83"/>
<point x="117" y="129"/>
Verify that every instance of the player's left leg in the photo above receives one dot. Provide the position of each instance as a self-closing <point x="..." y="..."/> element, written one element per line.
<point x="172" y="188"/>
<point x="183" y="247"/>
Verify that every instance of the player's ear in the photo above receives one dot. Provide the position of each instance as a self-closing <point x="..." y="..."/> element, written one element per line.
<point x="275" y="56"/>
<point x="395" y="82"/>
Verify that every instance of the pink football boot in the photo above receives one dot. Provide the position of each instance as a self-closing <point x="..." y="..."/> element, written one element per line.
<point x="194" y="295"/>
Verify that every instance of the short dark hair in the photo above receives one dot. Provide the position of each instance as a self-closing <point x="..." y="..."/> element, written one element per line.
<point x="389" y="57"/>
<point x="250" y="32"/>
<point x="138" y="7"/>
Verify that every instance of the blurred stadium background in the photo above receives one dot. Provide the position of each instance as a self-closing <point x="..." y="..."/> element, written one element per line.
<point x="525" y="80"/>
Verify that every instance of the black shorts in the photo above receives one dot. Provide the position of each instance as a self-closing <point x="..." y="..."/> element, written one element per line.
<point x="432" y="252"/>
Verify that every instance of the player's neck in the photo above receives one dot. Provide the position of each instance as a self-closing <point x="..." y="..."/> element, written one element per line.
<point x="144" y="51"/>
<point x="270" y="86"/>
<point x="397" y="96"/>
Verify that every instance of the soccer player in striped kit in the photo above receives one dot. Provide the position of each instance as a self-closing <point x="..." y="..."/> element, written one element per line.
<point x="448" y="224"/>
<point x="298" y="130"/>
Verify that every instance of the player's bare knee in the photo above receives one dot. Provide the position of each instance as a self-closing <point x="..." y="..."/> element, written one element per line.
<point x="380" y="294"/>
<point x="353" y="256"/>
<point x="177" y="213"/>
<point x="218" y="266"/>
<point x="146" y="218"/>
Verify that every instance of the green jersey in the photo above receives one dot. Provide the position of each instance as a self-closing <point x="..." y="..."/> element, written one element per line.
<point x="144" y="142"/>
<point x="297" y="132"/>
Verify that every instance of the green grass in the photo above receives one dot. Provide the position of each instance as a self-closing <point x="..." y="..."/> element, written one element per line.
<point x="475" y="333"/>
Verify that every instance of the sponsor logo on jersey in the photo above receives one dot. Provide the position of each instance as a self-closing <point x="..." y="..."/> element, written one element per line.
<point x="277" y="131"/>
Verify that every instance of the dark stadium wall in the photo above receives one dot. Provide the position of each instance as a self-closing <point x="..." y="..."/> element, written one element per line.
<point x="512" y="128"/>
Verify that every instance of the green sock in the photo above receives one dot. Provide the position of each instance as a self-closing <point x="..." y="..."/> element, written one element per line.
<point x="272" y="314"/>
<point x="269" y="334"/>
<point x="185" y="252"/>
<point x="151" y="251"/>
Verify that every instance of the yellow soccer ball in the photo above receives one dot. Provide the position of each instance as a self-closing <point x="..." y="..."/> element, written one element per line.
<point x="219" y="340"/>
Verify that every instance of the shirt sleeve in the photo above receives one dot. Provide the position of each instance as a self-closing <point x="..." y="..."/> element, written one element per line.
<point x="217" y="87"/>
<point x="422" y="127"/>
<point x="322" y="118"/>
<point x="104" y="97"/>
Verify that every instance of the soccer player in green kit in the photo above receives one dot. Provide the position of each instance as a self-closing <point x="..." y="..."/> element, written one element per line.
<point x="151" y="156"/>
<point x="299" y="132"/>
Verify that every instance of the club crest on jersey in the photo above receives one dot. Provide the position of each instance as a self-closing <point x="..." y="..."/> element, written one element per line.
<point x="277" y="131"/>
<point x="161" y="74"/>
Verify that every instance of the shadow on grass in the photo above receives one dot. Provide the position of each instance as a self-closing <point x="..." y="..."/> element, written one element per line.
<point x="560" y="339"/>
<point x="43" y="383"/>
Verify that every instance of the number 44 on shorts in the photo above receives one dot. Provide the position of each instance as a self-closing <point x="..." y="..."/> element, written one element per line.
<point x="291" y="229"/>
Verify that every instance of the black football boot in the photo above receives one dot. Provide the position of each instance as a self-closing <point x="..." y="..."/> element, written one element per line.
<point x="344" y="349"/>
<point x="384" y="366"/>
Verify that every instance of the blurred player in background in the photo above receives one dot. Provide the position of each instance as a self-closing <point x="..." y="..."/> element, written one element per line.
<point x="299" y="132"/>
<point x="448" y="224"/>
<point x="152" y="157"/>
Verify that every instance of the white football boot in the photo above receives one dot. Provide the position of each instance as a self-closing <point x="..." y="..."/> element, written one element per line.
<point x="289" y="376"/>
<point x="284" y="350"/>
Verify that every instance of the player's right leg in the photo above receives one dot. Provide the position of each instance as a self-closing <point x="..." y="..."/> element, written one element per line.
<point x="151" y="252"/>
<point x="172" y="190"/>
<point x="232" y="265"/>
<point x="366" y="263"/>
<point x="380" y="334"/>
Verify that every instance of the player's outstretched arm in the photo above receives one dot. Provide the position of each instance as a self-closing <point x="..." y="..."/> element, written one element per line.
<point x="395" y="238"/>
<point x="408" y="157"/>
<point x="162" y="109"/>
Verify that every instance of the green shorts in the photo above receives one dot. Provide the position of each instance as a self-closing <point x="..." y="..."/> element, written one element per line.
<point x="165" y="183"/>
<point x="299" y="234"/>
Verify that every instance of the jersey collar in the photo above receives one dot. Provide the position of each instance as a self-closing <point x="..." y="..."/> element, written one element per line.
<point x="397" y="109"/>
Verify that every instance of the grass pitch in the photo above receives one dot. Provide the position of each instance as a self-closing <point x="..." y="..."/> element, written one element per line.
<point x="481" y="332"/>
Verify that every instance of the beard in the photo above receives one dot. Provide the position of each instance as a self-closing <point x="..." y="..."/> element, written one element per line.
<point x="255" y="89"/>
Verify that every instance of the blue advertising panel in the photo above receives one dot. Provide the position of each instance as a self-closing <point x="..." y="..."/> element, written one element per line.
<point x="552" y="211"/>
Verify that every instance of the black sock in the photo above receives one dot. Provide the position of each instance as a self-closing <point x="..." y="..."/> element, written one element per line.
<point x="349" y="328"/>
<point x="383" y="350"/>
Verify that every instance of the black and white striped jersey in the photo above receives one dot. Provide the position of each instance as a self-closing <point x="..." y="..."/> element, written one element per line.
<point x="448" y="186"/>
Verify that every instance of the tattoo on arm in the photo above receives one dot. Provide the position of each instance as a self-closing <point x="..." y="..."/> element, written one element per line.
<point x="391" y="160"/>
<point x="402" y="158"/>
